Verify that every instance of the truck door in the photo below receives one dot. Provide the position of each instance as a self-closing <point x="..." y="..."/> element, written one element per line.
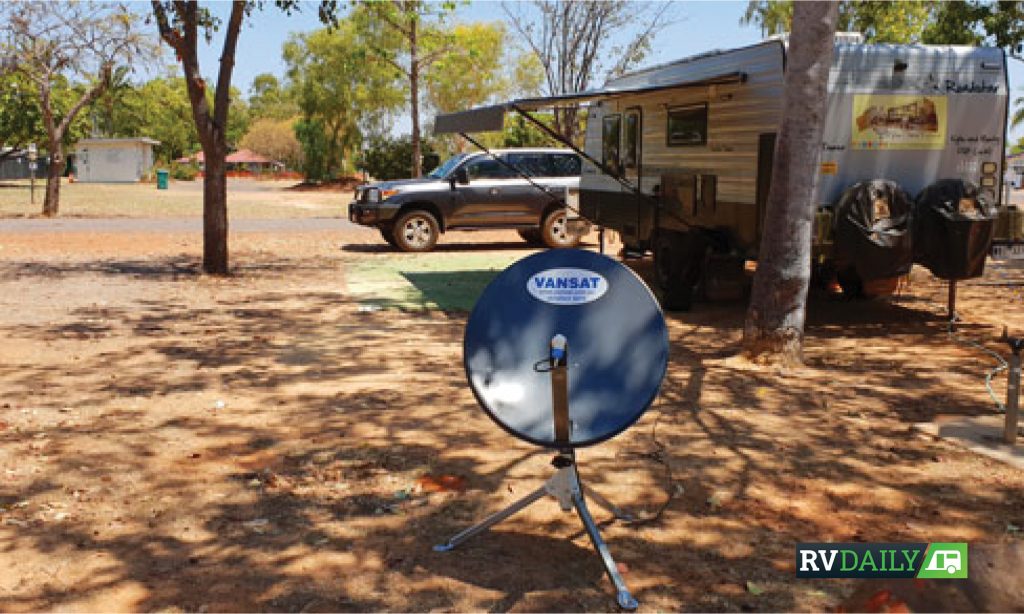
<point x="484" y="201"/>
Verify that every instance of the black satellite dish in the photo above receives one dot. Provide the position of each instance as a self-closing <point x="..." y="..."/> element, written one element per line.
<point x="565" y="349"/>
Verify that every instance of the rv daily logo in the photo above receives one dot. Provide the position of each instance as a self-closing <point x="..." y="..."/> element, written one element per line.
<point x="918" y="560"/>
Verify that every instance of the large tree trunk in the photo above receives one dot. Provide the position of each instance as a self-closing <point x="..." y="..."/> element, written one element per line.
<point x="414" y="98"/>
<point x="775" y="319"/>
<point x="51" y="203"/>
<point x="215" y="210"/>
<point x="211" y="126"/>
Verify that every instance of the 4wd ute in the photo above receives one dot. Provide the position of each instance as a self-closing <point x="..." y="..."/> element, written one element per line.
<point x="478" y="191"/>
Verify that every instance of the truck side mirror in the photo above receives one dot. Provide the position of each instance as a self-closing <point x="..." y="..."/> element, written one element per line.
<point x="461" y="176"/>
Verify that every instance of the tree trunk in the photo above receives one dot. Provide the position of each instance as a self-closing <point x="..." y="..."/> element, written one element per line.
<point x="215" y="210"/>
<point x="51" y="203"/>
<point x="774" y="326"/>
<point x="414" y="98"/>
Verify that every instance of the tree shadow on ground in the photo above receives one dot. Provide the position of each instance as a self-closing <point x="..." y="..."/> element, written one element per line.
<point x="258" y="444"/>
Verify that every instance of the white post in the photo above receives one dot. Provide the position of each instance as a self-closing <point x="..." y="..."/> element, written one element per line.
<point x="33" y="154"/>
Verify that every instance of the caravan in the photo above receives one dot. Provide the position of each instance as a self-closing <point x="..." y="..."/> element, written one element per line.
<point x="680" y="159"/>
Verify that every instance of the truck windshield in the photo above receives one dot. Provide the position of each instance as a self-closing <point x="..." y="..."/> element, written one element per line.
<point x="442" y="171"/>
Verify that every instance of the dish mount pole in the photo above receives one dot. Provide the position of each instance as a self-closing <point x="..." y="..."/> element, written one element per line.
<point x="565" y="486"/>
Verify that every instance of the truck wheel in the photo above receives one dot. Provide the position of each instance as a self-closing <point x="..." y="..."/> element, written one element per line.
<point x="531" y="235"/>
<point x="415" y="231"/>
<point x="554" y="230"/>
<point x="676" y="270"/>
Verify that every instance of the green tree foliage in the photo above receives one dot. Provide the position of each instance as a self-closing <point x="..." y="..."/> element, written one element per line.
<point x="410" y="37"/>
<point x="471" y="74"/>
<point x="312" y="137"/>
<point x="932" y="22"/>
<point x="387" y="158"/>
<point x="104" y="110"/>
<point x="274" y="138"/>
<point x="238" y="119"/>
<point x="340" y="93"/>
<point x="20" y="121"/>
<point x="269" y="99"/>
<point x="483" y="68"/>
<point x="521" y="133"/>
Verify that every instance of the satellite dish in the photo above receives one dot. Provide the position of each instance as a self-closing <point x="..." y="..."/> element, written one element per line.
<point x="617" y="346"/>
<point x="565" y="348"/>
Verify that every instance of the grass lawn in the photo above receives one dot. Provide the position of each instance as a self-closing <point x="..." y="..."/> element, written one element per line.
<point x="446" y="281"/>
<point x="246" y="199"/>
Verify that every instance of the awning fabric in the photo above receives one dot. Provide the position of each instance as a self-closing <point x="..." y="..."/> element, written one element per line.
<point x="491" y="118"/>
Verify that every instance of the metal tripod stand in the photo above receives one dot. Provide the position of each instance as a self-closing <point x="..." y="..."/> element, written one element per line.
<point x="566" y="487"/>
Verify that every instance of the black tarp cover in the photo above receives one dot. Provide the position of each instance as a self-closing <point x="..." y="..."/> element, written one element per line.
<point x="953" y="228"/>
<point x="873" y="230"/>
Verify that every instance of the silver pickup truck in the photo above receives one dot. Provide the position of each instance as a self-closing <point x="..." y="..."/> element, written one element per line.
<point x="477" y="191"/>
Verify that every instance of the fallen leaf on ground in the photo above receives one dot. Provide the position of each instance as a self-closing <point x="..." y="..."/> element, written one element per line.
<point x="754" y="589"/>
<point x="441" y="483"/>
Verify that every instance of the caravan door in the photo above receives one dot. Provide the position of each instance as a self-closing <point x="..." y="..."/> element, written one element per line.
<point x="632" y="171"/>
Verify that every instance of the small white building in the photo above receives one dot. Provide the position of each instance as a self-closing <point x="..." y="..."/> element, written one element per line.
<point x="113" y="160"/>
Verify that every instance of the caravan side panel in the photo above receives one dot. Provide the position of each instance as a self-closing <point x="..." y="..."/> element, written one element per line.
<point x="914" y="115"/>
<point x="737" y="114"/>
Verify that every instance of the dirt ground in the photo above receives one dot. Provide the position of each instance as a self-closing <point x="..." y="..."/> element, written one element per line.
<point x="266" y="442"/>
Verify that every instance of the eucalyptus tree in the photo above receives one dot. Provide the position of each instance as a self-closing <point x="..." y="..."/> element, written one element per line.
<point x="52" y="43"/>
<point x="411" y="37"/>
<point x="341" y="94"/>
<point x="578" y="43"/>
<point x="774" y="325"/>
<point x="181" y="24"/>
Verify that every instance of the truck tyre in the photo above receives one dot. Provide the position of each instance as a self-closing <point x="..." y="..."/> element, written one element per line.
<point x="554" y="230"/>
<point x="531" y="235"/>
<point x="676" y="270"/>
<point x="415" y="231"/>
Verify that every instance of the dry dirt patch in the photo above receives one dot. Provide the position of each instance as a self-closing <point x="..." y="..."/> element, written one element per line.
<point x="171" y="441"/>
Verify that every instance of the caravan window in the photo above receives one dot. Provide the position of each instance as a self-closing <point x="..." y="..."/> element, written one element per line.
<point x="688" y="126"/>
<point x="632" y="137"/>
<point x="610" y="143"/>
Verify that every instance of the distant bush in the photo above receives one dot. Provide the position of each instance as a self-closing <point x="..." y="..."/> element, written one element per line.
<point x="391" y="158"/>
<point x="184" y="172"/>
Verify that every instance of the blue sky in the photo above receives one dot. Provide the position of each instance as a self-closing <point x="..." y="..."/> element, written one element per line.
<point x="699" y="26"/>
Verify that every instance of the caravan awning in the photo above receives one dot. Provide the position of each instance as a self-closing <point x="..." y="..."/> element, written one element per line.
<point x="491" y="118"/>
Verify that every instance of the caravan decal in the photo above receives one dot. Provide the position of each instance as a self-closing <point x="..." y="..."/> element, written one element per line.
<point x="898" y="122"/>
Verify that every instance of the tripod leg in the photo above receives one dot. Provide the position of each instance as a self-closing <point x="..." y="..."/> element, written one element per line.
<point x="608" y="505"/>
<point x="622" y="594"/>
<point x="491" y="520"/>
